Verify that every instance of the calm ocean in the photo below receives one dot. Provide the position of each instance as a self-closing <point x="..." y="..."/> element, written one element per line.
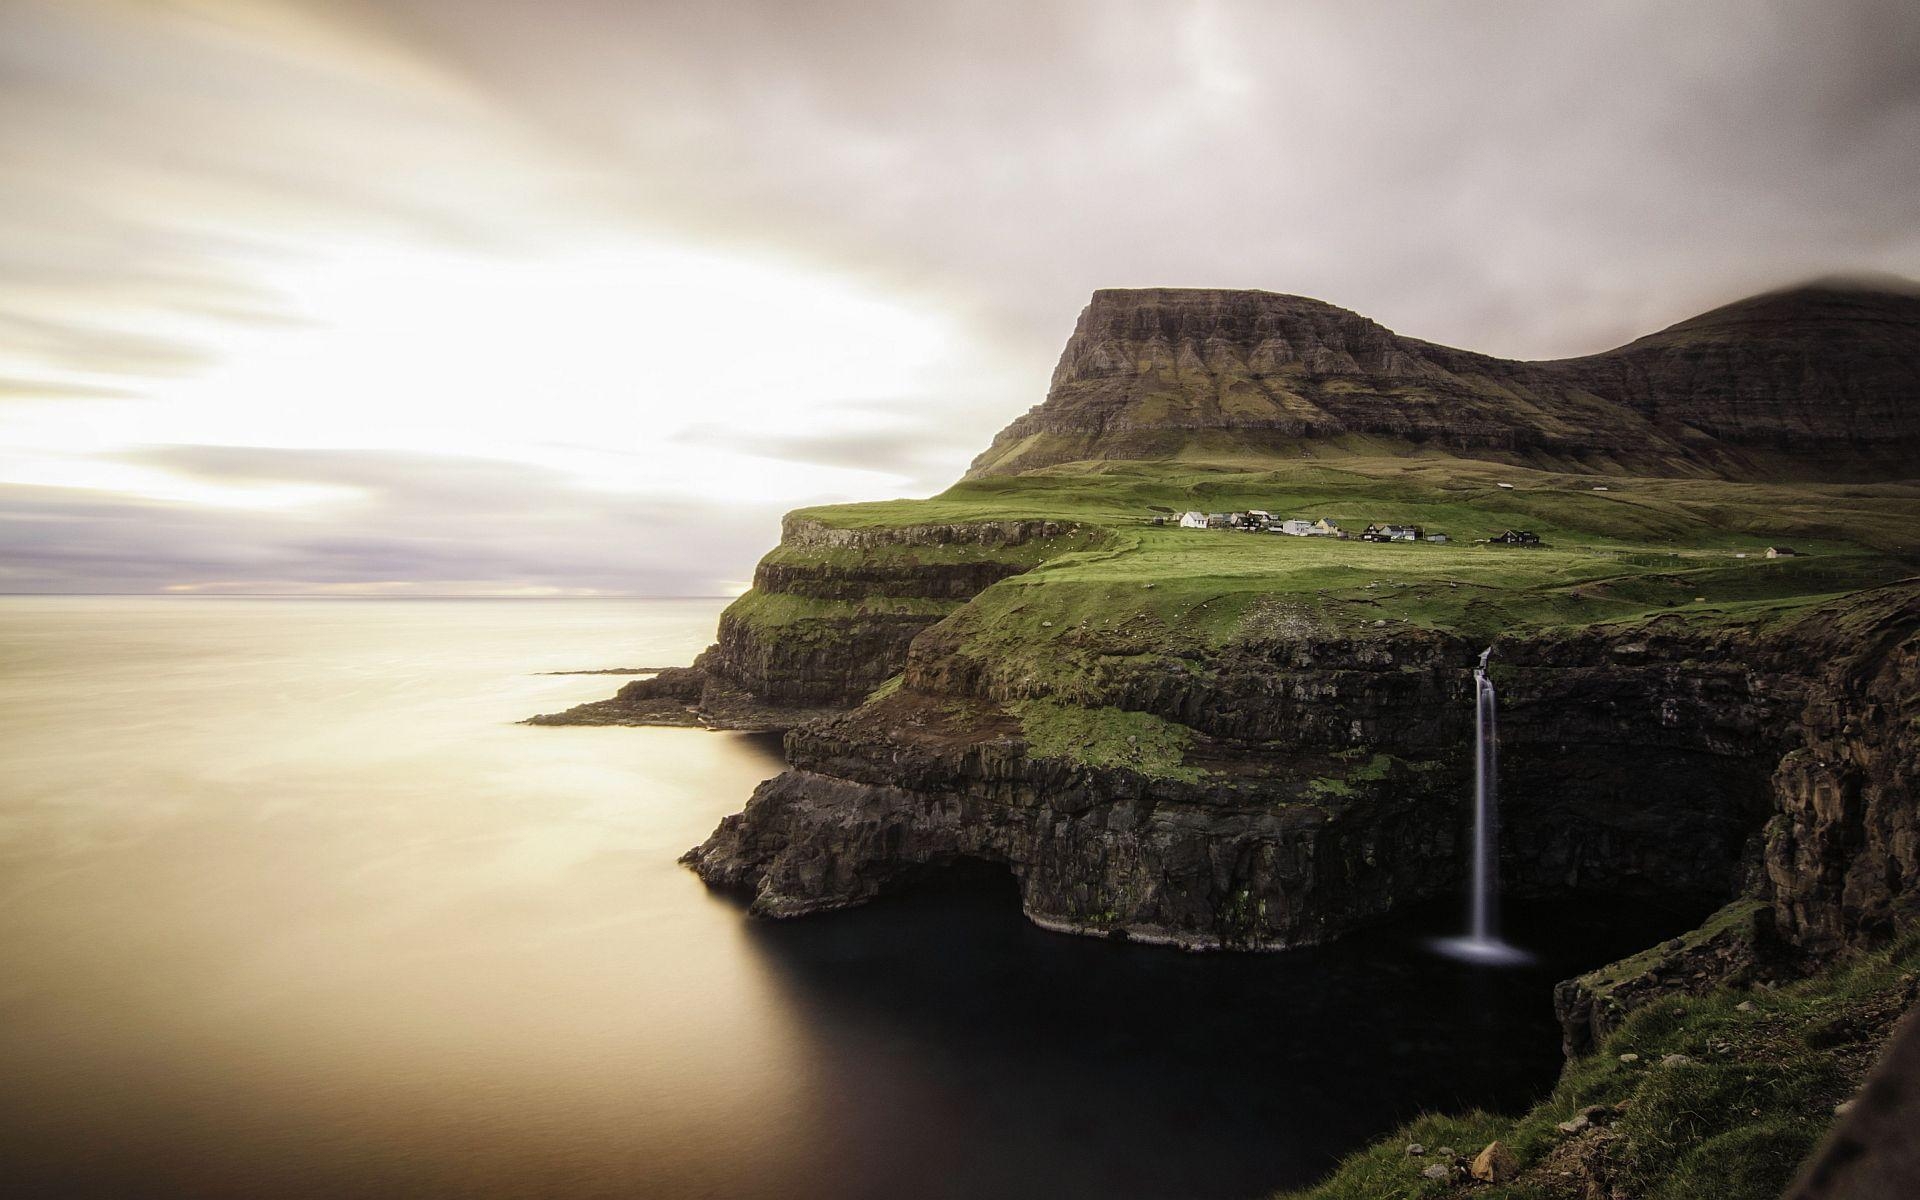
<point x="290" y="907"/>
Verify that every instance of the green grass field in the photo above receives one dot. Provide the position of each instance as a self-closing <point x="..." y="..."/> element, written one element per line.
<point x="1692" y="548"/>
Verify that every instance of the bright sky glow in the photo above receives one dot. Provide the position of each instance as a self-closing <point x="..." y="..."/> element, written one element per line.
<point x="598" y="364"/>
<point x="403" y="296"/>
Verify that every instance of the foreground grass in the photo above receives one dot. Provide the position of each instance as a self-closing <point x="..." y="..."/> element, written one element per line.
<point x="1761" y="1075"/>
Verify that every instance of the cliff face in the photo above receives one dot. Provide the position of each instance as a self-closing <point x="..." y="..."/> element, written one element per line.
<point x="830" y="617"/>
<point x="1218" y="740"/>
<point x="1330" y="784"/>
<point x="1818" y="381"/>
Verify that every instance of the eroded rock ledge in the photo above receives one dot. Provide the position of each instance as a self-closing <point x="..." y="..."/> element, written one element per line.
<point x="1329" y="783"/>
<point x="830" y="618"/>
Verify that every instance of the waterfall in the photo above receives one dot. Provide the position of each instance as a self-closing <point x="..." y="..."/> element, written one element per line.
<point x="1482" y="941"/>
<point x="1484" y="907"/>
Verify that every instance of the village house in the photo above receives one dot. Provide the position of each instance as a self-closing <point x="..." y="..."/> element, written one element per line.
<point x="1438" y="539"/>
<point x="1297" y="527"/>
<point x="1218" y="520"/>
<point x="1391" y="533"/>
<point x="1326" y="528"/>
<point x="1517" y="537"/>
<point x="1782" y="552"/>
<point x="1193" y="520"/>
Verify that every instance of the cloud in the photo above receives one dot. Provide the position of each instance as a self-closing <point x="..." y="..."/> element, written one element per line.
<point x="911" y="451"/>
<point x="46" y="389"/>
<point x="462" y="524"/>
<point x="1528" y="180"/>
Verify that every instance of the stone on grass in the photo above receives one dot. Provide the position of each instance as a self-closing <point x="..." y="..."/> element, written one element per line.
<point x="1495" y="1164"/>
<point x="1744" y="1006"/>
<point x="1574" y="1125"/>
<point x="1438" y="1171"/>
<point x="1629" y="1058"/>
<point x="1415" y="1149"/>
<point x="1676" y="1060"/>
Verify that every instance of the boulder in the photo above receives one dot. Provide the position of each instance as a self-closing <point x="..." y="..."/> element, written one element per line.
<point x="1495" y="1164"/>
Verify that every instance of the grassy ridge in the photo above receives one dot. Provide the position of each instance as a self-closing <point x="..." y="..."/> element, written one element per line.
<point x="1215" y="586"/>
<point x="1457" y="496"/>
<point x="1644" y="547"/>
<point x="1761" y="1075"/>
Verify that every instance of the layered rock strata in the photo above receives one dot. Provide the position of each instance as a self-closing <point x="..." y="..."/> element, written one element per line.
<point x="1326" y="782"/>
<point x="1813" y="382"/>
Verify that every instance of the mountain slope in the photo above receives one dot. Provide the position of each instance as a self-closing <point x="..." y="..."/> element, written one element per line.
<point x="1810" y="383"/>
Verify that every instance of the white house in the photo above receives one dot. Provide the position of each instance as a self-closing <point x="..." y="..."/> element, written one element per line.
<point x="1297" y="527"/>
<point x="1437" y="538"/>
<point x="1193" y="520"/>
<point x="1326" y="528"/>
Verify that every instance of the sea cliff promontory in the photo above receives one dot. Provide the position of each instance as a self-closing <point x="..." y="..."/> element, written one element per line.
<point x="1706" y="645"/>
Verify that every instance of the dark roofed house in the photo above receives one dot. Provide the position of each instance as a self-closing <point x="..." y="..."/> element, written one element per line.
<point x="1517" y="537"/>
<point x="1391" y="533"/>
<point x="1782" y="552"/>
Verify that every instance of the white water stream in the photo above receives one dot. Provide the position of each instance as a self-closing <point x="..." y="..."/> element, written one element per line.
<point x="1482" y="941"/>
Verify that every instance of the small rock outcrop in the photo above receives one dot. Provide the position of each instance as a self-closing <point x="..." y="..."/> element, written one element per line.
<point x="1495" y="1164"/>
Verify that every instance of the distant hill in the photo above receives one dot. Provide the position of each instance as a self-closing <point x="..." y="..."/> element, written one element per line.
<point x="1815" y="382"/>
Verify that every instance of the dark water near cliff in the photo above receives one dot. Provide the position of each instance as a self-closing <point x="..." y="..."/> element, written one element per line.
<point x="290" y="908"/>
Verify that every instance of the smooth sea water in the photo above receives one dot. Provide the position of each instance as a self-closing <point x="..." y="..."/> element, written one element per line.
<point x="290" y="907"/>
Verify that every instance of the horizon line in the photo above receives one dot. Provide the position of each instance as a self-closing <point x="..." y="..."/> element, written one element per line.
<point x="366" y="596"/>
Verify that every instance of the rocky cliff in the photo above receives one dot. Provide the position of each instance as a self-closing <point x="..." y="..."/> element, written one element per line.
<point x="1326" y="781"/>
<point x="1264" y="753"/>
<point x="829" y="619"/>
<point x="1817" y="381"/>
<point x="1218" y="740"/>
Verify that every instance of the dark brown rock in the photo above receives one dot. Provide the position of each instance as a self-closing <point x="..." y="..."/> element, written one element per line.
<point x="1814" y="381"/>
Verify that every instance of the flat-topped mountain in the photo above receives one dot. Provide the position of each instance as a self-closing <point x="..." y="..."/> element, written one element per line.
<point x="1813" y="382"/>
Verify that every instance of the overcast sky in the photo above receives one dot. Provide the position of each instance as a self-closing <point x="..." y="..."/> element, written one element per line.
<point x="573" y="296"/>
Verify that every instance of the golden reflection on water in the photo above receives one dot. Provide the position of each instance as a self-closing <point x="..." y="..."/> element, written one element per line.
<point x="290" y="907"/>
<point x="287" y="903"/>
